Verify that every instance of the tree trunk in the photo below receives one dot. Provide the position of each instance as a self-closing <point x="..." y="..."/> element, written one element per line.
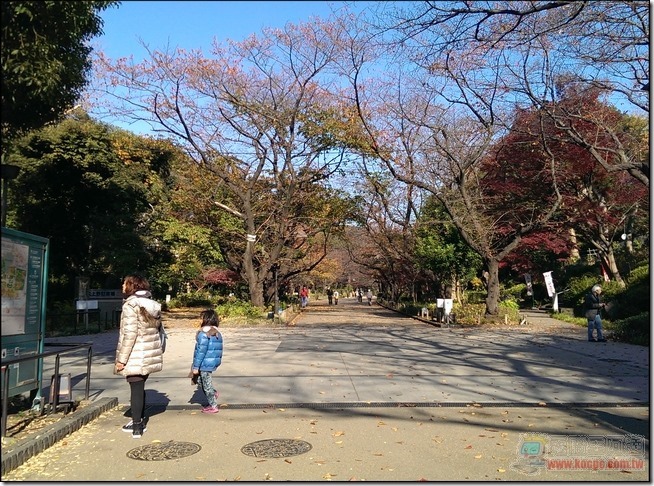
<point x="493" y="295"/>
<point x="574" y="252"/>
<point x="609" y="260"/>
<point x="254" y="284"/>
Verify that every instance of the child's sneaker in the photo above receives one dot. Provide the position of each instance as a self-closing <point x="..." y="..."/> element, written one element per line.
<point x="137" y="430"/>
<point x="210" y="409"/>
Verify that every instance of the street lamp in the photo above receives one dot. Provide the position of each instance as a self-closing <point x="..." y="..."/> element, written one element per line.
<point x="9" y="172"/>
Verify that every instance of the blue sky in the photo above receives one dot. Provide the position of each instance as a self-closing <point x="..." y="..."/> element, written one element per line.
<point x="193" y="24"/>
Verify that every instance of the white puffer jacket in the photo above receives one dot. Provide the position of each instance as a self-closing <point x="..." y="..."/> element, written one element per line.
<point x="139" y="345"/>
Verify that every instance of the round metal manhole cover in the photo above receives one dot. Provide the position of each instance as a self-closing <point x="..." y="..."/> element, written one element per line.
<point x="276" y="448"/>
<point x="163" y="451"/>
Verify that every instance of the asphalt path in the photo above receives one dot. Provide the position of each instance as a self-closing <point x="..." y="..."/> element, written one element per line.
<point x="378" y="396"/>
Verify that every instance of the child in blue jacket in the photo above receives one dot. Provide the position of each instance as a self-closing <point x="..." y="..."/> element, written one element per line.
<point x="207" y="357"/>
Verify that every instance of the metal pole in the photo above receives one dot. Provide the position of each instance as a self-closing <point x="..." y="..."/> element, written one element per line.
<point x="5" y="399"/>
<point x="55" y="385"/>
<point x="88" y="374"/>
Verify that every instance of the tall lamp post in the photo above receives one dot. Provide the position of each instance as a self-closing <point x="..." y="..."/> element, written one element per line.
<point x="9" y="172"/>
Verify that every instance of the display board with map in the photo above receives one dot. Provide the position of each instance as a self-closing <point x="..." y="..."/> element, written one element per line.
<point x="22" y="282"/>
<point x="24" y="289"/>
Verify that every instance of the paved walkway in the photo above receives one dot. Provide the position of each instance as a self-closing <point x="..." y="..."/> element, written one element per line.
<point x="377" y="396"/>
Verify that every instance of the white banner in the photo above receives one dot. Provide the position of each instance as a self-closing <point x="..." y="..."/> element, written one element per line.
<point x="549" y="283"/>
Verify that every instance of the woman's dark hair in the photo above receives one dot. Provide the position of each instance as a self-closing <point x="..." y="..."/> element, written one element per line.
<point x="134" y="283"/>
<point x="209" y="318"/>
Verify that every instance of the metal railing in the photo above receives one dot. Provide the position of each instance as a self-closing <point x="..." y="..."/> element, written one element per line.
<point x="55" y="384"/>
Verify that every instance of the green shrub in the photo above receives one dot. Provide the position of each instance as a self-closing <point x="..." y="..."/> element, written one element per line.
<point x="578" y="321"/>
<point x="290" y="300"/>
<point x="578" y="288"/>
<point x="409" y="309"/>
<point x="192" y="299"/>
<point x="475" y="296"/>
<point x="515" y="292"/>
<point x="510" y="308"/>
<point x="639" y="275"/>
<point x="633" y="329"/>
<point x="238" y="308"/>
<point x="468" y="313"/>
<point x="635" y="299"/>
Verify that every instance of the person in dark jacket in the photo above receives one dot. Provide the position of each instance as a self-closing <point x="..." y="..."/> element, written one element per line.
<point x="207" y="356"/>
<point x="594" y="306"/>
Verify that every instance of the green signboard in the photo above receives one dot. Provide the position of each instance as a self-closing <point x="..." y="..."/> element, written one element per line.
<point x="24" y="290"/>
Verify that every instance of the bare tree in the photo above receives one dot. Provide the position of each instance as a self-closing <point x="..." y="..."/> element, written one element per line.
<point x="254" y="114"/>
<point x="387" y="213"/>
<point x="433" y="129"/>
<point x="542" y="46"/>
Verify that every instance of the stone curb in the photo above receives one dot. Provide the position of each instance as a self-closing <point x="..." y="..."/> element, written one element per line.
<point x="16" y="454"/>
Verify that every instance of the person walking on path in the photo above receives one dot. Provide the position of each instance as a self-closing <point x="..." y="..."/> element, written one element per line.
<point x="369" y="296"/>
<point x="139" y="351"/>
<point x="330" y="295"/>
<point x="304" y="296"/>
<point x="594" y="306"/>
<point x="335" y="297"/>
<point x="207" y="356"/>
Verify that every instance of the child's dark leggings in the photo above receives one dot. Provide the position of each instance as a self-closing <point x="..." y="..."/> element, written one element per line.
<point x="137" y="397"/>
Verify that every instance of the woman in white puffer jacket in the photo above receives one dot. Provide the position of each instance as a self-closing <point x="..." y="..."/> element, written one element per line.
<point x="139" y="350"/>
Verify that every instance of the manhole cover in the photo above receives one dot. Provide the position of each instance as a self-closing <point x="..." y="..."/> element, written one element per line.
<point x="276" y="448"/>
<point x="163" y="451"/>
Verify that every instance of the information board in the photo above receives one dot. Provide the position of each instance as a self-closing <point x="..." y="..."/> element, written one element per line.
<point x="24" y="289"/>
<point x="23" y="263"/>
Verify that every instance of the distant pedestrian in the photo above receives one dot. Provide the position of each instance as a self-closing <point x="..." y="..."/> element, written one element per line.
<point x="207" y="356"/>
<point x="359" y="296"/>
<point x="335" y="297"/>
<point x="304" y="296"/>
<point x="594" y="306"/>
<point x="369" y="296"/>
<point x="330" y="295"/>
<point x="139" y="351"/>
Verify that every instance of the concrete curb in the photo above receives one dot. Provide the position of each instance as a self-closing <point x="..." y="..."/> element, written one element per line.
<point x="16" y="454"/>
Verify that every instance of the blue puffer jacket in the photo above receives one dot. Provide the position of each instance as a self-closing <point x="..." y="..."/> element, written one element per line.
<point x="208" y="349"/>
